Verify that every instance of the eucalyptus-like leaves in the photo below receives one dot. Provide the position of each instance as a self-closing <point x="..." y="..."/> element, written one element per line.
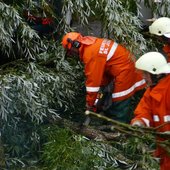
<point x="117" y="22"/>
<point x="17" y="39"/>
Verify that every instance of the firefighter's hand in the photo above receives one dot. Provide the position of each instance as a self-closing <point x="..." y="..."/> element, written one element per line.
<point x="91" y="108"/>
<point x="88" y="109"/>
<point x="138" y="123"/>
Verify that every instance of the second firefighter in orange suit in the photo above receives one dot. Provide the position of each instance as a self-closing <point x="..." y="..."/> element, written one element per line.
<point x="105" y="61"/>
<point x="160" y="28"/>
<point x="153" y="109"/>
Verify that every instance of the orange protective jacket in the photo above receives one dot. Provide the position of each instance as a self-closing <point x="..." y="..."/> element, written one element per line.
<point x="105" y="60"/>
<point x="166" y="49"/>
<point x="154" y="110"/>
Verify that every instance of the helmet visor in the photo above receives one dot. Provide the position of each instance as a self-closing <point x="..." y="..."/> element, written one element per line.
<point x="167" y="35"/>
<point x="164" y="69"/>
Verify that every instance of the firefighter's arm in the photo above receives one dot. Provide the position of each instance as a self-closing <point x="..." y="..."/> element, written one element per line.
<point x="143" y="112"/>
<point x="94" y="73"/>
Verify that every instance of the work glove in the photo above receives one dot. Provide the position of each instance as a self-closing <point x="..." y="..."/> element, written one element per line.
<point x="138" y="123"/>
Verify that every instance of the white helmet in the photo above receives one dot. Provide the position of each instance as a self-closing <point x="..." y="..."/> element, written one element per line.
<point x="160" y="26"/>
<point x="153" y="62"/>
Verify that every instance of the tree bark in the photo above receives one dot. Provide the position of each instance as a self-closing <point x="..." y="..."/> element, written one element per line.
<point x="88" y="131"/>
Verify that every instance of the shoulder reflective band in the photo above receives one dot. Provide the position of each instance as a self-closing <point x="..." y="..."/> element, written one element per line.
<point x="112" y="51"/>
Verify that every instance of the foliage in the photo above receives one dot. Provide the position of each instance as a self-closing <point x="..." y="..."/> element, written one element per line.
<point x="37" y="83"/>
<point x="160" y="9"/>
<point x="115" y="17"/>
<point x="66" y="150"/>
<point x="131" y="6"/>
<point x="17" y="39"/>
<point x="113" y="27"/>
<point x="25" y="98"/>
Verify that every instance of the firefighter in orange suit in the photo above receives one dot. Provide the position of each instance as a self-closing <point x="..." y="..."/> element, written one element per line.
<point x="104" y="61"/>
<point x="153" y="109"/>
<point x="161" y="29"/>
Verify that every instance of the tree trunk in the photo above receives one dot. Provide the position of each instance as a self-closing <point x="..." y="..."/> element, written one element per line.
<point x="87" y="131"/>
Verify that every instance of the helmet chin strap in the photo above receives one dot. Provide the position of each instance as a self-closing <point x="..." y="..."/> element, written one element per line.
<point x="155" y="78"/>
<point x="72" y="52"/>
<point x="166" y="39"/>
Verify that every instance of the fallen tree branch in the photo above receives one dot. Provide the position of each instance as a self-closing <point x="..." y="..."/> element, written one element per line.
<point x="140" y="132"/>
<point x="126" y="128"/>
<point x="89" y="132"/>
<point x="116" y="130"/>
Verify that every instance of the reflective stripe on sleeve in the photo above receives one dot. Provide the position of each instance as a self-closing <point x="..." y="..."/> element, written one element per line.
<point x="167" y="118"/>
<point x="128" y="91"/>
<point x="156" y="118"/>
<point x="92" y="89"/>
<point x="112" y="51"/>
